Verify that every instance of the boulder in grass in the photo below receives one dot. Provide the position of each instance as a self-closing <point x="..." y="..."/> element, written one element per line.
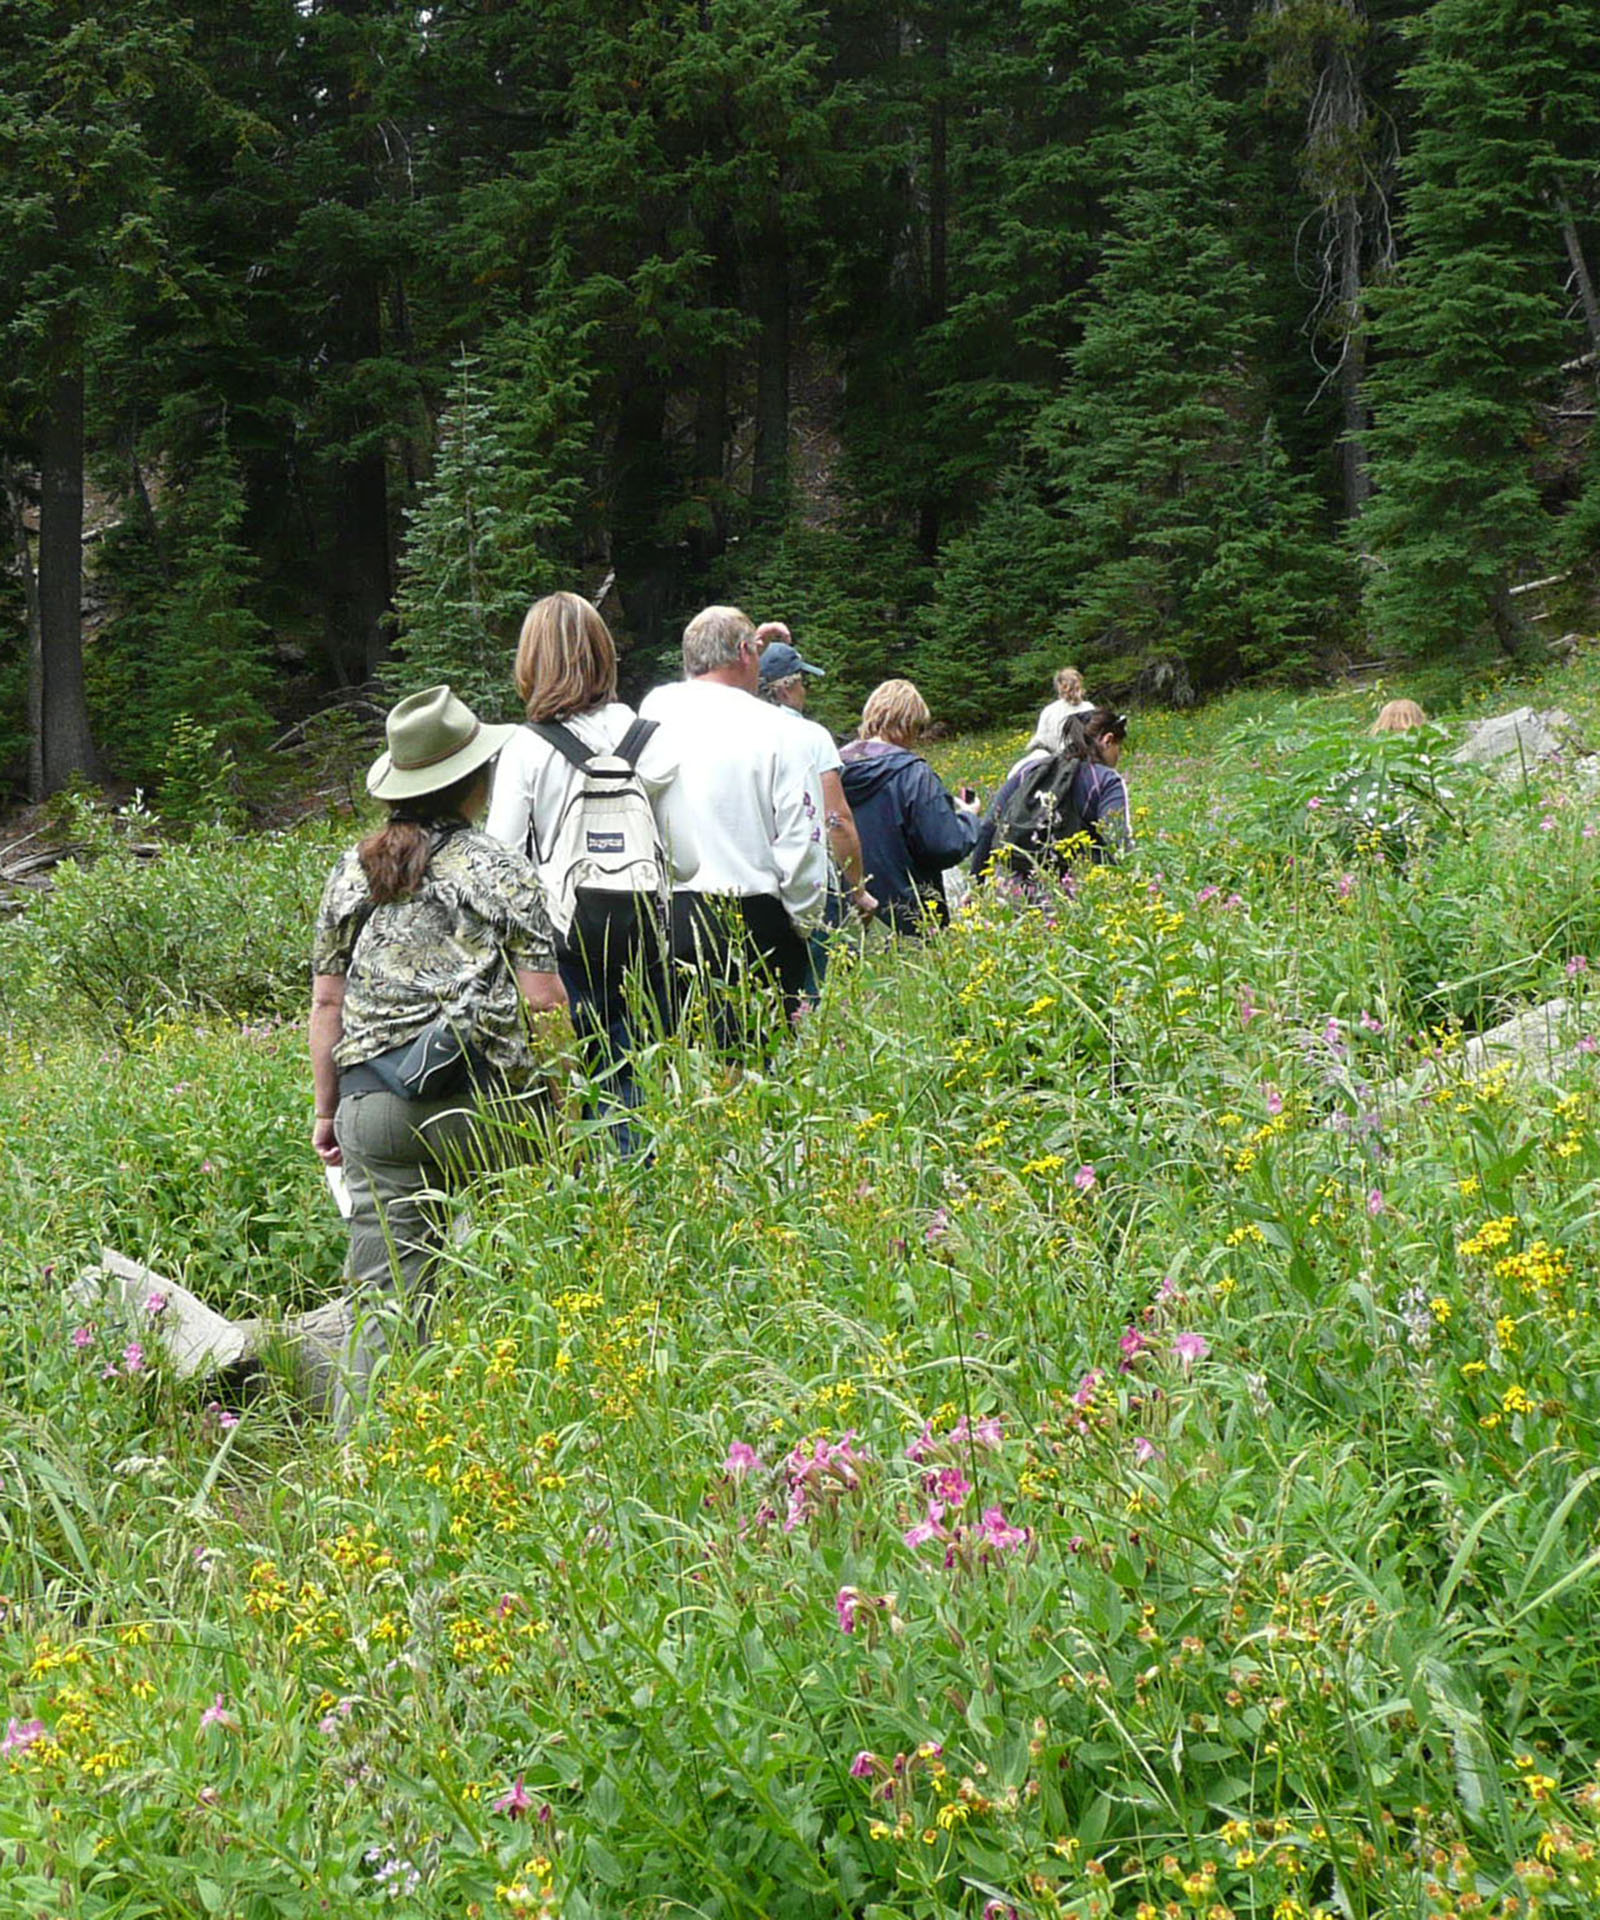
<point x="1546" y="1041"/>
<point x="1509" y="742"/>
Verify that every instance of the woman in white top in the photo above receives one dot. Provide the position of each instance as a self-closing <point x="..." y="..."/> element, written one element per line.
<point x="566" y="672"/>
<point x="1051" y="731"/>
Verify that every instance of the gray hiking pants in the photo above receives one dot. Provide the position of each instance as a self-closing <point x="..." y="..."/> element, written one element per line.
<point x="403" y="1160"/>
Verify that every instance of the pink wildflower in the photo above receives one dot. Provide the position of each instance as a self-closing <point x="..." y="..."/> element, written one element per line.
<point x="923" y="1445"/>
<point x="1347" y="885"/>
<point x="1084" y="1179"/>
<point x="1375" y="1202"/>
<point x="938" y="1225"/>
<point x="1579" y="963"/>
<point x="515" y="1801"/>
<point x="1248" y="1010"/>
<point x="950" y="1485"/>
<point x="156" y="1303"/>
<point x="1144" y="1449"/>
<point x="742" y="1459"/>
<point x="82" y="1337"/>
<point x="864" y="1765"/>
<point x="20" y="1735"/>
<point x="927" y="1529"/>
<point x="1371" y="1023"/>
<point x="997" y="1534"/>
<point x="1205" y="894"/>
<point x="845" y="1605"/>
<point x="133" y="1357"/>
<point x="1588" y="1044"/>
<point x="217" y="1715"/>
<point x="1132" y="1344"/>
<point x="1086" y="1387"/>
<point x="1548" y="823"/>
<point x="1190" y="1347"/>
<point x="1274" y="1099"/>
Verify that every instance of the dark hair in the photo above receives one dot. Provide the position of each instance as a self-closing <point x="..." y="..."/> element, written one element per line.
<point x="395" y="857"/>
<point x="1085" y="732"/>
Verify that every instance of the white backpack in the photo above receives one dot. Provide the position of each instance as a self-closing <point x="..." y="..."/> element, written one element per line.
<point x="605" y="871"/>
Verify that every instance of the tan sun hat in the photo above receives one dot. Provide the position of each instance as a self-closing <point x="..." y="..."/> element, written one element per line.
<point x="434" y="741"/>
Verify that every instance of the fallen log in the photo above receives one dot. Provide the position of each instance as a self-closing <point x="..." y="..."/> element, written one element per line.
<point x="197" y="1341"/>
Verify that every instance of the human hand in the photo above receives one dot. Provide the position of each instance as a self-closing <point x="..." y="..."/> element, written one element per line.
<point x="864" y="903"/>
<point x="324" y="1142"/>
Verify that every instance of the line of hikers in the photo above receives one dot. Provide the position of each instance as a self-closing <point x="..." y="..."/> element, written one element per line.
<point x="691" y="861"/>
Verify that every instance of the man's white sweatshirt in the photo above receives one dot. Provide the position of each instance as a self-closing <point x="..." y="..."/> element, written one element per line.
<point x="746" y="797"/>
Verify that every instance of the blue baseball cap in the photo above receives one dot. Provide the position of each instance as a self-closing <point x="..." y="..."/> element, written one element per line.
<point x="780" y="661"/>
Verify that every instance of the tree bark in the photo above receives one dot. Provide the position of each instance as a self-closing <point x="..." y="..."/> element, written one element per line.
<point x="66" y="745"/>
<point x="770" y="476"/>
<point x="1580" y="273"/>
<point x="930" y="509"/>
<point x="1357" y="481"/>
<point x="30" y="600"/>
<point x="360" y="557"/>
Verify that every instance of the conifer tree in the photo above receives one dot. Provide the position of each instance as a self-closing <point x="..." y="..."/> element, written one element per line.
<point x="1476" y="328"/>
<point x="475" y="552"/>
<point x="1181" y="525"/>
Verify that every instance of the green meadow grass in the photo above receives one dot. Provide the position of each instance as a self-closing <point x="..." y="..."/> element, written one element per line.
<point x="1060" y="1441"/>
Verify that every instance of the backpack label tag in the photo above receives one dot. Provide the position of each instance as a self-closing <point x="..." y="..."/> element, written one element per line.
<point x="603" y="842"/>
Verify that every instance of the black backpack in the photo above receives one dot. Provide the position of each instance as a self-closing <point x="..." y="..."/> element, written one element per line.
<point x="1042" y="825"/>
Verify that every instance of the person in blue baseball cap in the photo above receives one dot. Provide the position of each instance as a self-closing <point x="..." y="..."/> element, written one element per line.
<point x="783" y="684"/>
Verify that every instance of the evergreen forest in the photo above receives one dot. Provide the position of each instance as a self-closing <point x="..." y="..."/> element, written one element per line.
<point x="1195" y="340"/>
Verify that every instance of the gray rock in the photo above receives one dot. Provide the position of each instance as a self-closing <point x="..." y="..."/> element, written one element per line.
<point x="1509" y="742"/>
<point x="1545" y="1041"/>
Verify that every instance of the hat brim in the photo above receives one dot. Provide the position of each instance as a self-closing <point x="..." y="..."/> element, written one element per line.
<point x="386" y="781"/>
<point x="806" y="667"/>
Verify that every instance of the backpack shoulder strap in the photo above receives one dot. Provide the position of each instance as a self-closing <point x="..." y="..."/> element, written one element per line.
<point x="563" y="739"/>
<point x="635" y="740"/>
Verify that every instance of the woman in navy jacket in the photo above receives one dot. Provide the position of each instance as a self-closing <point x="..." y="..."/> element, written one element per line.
<point x="911" y="828"/>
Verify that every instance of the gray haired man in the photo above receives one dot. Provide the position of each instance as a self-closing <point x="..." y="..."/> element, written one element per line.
<point x="748" y="800"/>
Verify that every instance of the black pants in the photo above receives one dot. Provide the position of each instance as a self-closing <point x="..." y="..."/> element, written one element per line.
<point x="745" y="957"/>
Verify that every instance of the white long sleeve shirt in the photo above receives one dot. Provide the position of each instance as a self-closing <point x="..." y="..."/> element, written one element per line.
<point x="747" y="796"/>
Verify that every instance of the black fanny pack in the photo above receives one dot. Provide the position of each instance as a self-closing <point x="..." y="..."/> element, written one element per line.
<point x="439" y="1064"/>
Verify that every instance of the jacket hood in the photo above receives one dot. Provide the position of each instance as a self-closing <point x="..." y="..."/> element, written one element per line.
<point x="869" y="766"/>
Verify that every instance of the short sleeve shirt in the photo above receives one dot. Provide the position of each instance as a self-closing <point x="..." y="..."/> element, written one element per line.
<point x="455" y="947"/>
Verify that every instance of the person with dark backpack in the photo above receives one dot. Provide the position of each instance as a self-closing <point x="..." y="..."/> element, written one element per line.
<point x="577" y="790"/>
<point x="1060" y="809"/>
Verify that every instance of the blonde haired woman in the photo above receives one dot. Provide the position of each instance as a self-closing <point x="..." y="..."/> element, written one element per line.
<point x="566" y="673"/>
<point x="1399" y="716"/>
<point x="1069" y="700"/>
<point x="911" y="828"/>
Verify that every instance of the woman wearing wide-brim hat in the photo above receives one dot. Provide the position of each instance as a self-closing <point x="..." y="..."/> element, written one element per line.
<point x="428" y="929"/>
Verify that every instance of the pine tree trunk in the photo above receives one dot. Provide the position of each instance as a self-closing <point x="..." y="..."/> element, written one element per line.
<point x="770" y="476"/>
<point x="1352" y="364"/>
<point x="30" y="599"/>
<point x="66" y="746"/>
<point x="1580" y="274"/>
<point x="930" y="514"/>
<point x="361" y="563"/>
